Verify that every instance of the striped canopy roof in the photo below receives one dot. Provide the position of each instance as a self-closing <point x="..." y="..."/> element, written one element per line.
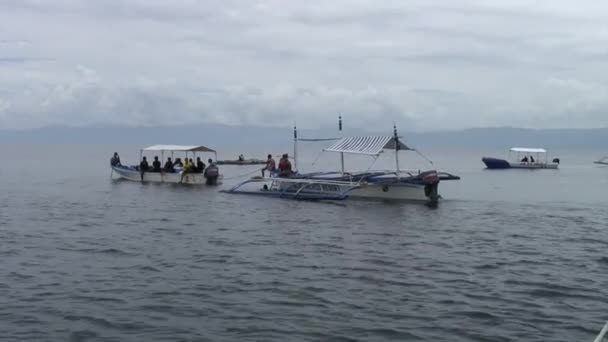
<point x="369" y="145"/>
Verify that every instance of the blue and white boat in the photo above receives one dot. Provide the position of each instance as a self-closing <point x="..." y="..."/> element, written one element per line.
<point x="522" y="158"/>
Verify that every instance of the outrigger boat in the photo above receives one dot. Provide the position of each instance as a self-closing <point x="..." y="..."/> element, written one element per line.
<point x="603" y="161"/>
<point x="527" y="162"/>
<point x="133" y="173"/>
<point x="391" y="184"/>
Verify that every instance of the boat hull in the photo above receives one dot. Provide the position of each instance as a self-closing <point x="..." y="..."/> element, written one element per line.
<point x="496" y="163"/>
<point x="129" y="173"/>
<point x="371" y="185"/>
<point x="406" y="192"/>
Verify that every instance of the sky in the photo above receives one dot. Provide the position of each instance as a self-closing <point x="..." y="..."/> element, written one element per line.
<point x="423" y="64"/>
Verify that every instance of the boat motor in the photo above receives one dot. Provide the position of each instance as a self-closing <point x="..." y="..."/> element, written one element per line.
<point x="556" y="160"/>
<point x="211" y="174"/>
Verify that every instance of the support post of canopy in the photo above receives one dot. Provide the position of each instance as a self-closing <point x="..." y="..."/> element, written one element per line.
<point x="397" y="148"/>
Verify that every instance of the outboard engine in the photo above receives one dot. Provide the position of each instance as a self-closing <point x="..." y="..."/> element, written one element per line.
<point x="431" y="185"/>
<point x="212" y="173"/>
<point x="556" y="160"/>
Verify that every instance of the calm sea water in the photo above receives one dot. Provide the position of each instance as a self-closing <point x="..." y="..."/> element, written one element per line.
<point x="507" y="256"/>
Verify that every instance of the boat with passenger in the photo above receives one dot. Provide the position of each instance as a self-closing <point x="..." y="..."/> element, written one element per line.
<point x="175" y="170"/>
<point x="241" y="161"/>
<point x="338" y="185"/>
<point x="533" y="158"/>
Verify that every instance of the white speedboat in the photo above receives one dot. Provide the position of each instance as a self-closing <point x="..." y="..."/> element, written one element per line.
<point x="522" y="158"/>
<point x="209" y="176"/>
<point x="388" y="184"/>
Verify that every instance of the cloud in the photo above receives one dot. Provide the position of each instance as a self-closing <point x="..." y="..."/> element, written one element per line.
<point x="423" y="64"/>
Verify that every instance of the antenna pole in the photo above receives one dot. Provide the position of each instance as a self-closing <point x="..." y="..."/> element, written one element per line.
<point x="341" y="153"/>
<point x="397" y="148"/>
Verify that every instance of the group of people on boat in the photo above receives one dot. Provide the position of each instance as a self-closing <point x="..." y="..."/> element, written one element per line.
<point x="526" y="160"/>
<point x="186" y="166"/>
<point x="284" y="169"/>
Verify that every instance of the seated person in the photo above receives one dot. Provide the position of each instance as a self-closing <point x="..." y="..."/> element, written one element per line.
<point x="200" y="166"/>
<point x="285" y="166"/>
<point x="168" y="166"/>
<point x="187" y="166"/>
<point x="178" y="162"/>
<point x="531" y="159"/>
<point x="271" y="165"/>
<point x="525" y="160"/>
<point x="156" y="165"/>
<point x="241" y="158"/>
<point x="115" y="161"/>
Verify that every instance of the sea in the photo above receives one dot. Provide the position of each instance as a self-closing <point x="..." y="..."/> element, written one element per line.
<point x="507" y="255"/>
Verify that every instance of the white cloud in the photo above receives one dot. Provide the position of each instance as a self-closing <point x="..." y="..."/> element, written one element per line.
<point x="425" y="64"/>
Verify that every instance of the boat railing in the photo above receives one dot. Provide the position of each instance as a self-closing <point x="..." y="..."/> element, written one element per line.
<point x="298" y="188"/>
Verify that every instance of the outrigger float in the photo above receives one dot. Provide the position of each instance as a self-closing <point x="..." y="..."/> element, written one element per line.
<point x="390" y="184"/>
<point x="133" y="173"/>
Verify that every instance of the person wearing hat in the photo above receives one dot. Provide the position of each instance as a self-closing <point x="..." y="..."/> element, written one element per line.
<point x="285" y="166"/>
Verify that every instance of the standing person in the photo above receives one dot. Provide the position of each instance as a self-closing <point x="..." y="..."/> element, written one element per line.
<point x="115" y="161"/>
<point x="156" y="165"/>
<point x="143" y="167"/>
<point x="285" y="166"/>
<point x="271" y="166"/>
<point x="212" y="173"/>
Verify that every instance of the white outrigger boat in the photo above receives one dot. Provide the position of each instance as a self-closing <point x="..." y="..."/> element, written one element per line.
<point x="527" y="162"/>
<point x="603" y="161"/>
<point x="133" y="173"/>
<point x="391" y="184"/>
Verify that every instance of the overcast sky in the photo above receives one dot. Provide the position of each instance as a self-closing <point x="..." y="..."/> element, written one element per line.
<point x="425" y="64"/>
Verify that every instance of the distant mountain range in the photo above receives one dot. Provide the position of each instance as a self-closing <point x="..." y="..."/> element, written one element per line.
<point x="223" y="135"/>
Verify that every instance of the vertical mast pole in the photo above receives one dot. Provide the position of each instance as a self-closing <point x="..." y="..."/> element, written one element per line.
<point x="295" y="148"/>
<point x="397" y="148"/>
<point x="341" y="153"/>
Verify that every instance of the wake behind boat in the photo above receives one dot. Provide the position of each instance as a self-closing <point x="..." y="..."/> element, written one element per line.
<point x="174" y="170"/>
<point x="390" y="184"/>
<point x="515" y="160"/>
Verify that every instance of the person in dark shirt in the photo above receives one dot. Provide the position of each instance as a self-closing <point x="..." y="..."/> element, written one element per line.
<point x="143" y="167"/>
<point x="156" y="164"/>
<point x="200" y="166"/>
<point x="211" y="173"/>
<point x="178" y="162"/>
<point x="168" y="165"/>
<point x="115" y="161"/>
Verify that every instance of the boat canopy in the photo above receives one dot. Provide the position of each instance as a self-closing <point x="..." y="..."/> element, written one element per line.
<point x="183" y="148"/>
<point x="369" y="145"/>
<point x="528" y="150"/>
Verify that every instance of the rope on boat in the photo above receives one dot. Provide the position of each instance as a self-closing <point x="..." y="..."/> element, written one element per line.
<point x="602" y="333"/>
<point x="423" y="156"/>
